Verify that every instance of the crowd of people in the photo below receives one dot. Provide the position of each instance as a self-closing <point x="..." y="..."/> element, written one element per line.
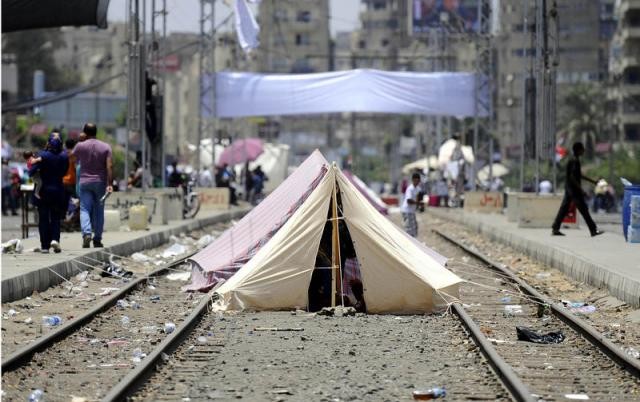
<point x="250" y="182"/>
<point x="60" y="173"/>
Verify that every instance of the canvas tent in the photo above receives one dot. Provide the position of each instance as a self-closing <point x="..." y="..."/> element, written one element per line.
<point x="368" y="193"/>
<point x="268" y="258"/>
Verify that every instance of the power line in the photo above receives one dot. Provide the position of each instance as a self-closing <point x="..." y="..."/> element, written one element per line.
<point x="70" y="93"/>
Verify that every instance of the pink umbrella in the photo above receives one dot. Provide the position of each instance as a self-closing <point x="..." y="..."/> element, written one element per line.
<point x="241" y="151"/>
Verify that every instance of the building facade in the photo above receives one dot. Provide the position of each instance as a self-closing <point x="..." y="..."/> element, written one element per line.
<point x="625" y="71"/>
<point x="294" y="36"/>
<point x="583" y="39"/>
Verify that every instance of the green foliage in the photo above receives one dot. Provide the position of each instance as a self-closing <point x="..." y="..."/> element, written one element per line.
<point x="583" y="115"/>
<point x="117" y="153"/>
<point x="626" y="163"/>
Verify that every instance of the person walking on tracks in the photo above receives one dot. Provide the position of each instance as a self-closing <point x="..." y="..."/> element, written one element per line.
<point x="96" y="176"/>
<point x="573" y="192"/>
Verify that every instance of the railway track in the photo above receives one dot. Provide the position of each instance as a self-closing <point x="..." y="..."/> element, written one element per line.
<point x="311" y="357"/>
<point x="585" y="364"/>
<point x="99" y="347"/>
<point x="223" y="356"/>
<point x="237" y="355"/>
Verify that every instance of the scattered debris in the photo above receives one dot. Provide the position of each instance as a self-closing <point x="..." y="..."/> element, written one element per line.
<point x="584" y="310"/>
<point x="107" y="291"/>
<point x="580" y="397"/>
<point x="169" y="327"/>
<point x="632" y="352"/>
<point x="338" y="311"/>
<point x="174" y="250"/>
<point x="139" y="257"/>
<point x="12" y="246"/>
<point x="512" y="309"/>
<point x="278" y="329"/>
<point x="529" y="335"/>
<point x="433" y="393"/>
<point x="204" y="241"/>
<point x="179" y="276"/>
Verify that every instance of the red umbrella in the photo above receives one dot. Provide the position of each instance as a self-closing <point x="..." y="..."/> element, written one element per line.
<point x="241" y="151"/>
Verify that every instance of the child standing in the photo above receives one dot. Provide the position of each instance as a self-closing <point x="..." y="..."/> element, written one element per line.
<point x="31" y="160"/>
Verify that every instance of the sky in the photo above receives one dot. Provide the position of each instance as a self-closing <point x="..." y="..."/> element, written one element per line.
<point x="184" y="14"/>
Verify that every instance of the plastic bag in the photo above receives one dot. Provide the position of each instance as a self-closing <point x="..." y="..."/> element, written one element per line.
<point x="175" y="249"/>
<point x="529" y="335"/>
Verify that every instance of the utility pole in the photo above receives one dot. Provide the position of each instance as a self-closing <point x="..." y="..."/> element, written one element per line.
<point x="135" y="81"/>
<point x="207" y="73"/>
<point x="546" y="62"/>
<point x="156" y="101"/>
<point x="483" y="82"/>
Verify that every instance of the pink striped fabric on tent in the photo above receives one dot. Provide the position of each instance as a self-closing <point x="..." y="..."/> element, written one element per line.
<point x="229" y="252"/>
<point x="378" y="204"/>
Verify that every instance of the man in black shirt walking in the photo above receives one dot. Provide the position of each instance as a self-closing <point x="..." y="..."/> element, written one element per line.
<point x="573" y="192"/>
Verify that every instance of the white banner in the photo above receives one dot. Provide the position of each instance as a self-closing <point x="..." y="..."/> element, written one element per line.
<point x="369" y="91"/>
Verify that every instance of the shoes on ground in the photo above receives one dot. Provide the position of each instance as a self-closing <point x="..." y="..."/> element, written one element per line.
<point x="598" y="232"/>
<point x="55" y="246"/>
<point x="557" y="233"/>
<point x="97" y="243"/>
<point x="86" y="241"/>
<point x="41" y="250"/>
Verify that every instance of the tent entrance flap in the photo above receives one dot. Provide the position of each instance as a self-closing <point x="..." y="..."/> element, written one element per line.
<point x="336" y="278"/>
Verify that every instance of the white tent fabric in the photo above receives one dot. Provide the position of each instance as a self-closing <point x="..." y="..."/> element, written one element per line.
<point x="399" y="274"/>
<point x="362" y="90"/>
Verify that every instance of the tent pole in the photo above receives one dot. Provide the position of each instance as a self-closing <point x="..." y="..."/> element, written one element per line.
<point x="335" y="245"/>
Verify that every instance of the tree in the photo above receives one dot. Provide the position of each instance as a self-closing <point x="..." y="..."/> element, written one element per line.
<point x="583" y="116"/>
<point x="34" y="50"/>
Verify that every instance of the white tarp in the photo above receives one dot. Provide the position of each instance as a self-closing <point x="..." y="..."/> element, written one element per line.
<point x="363" y="90"/>
<point x="247" y="28"/>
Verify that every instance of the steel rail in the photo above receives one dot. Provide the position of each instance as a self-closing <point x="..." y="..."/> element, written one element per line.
<point x="509" y="378"/>
<point x="587" y="331"/>
<point x="22" y="356"/>
<point x="136" y="377"/>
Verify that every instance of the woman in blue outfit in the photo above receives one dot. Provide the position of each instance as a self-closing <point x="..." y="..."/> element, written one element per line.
<point x="51" y="204"/>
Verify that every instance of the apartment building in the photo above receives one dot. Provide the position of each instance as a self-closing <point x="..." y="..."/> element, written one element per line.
<point x="294" y="36"/>
<point x="625" y="71"/>
<point x="584" y="35"/>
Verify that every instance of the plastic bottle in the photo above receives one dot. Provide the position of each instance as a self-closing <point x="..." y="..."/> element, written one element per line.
<point x="169" y="327"/>
<point x="37" y="395"/>
<point x="137" y="355"/>
<point x="51" y="320"/>
<point x="432" y="393"/>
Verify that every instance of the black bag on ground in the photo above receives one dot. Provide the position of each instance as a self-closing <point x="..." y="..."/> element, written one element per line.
<point x="527" y="334"/>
